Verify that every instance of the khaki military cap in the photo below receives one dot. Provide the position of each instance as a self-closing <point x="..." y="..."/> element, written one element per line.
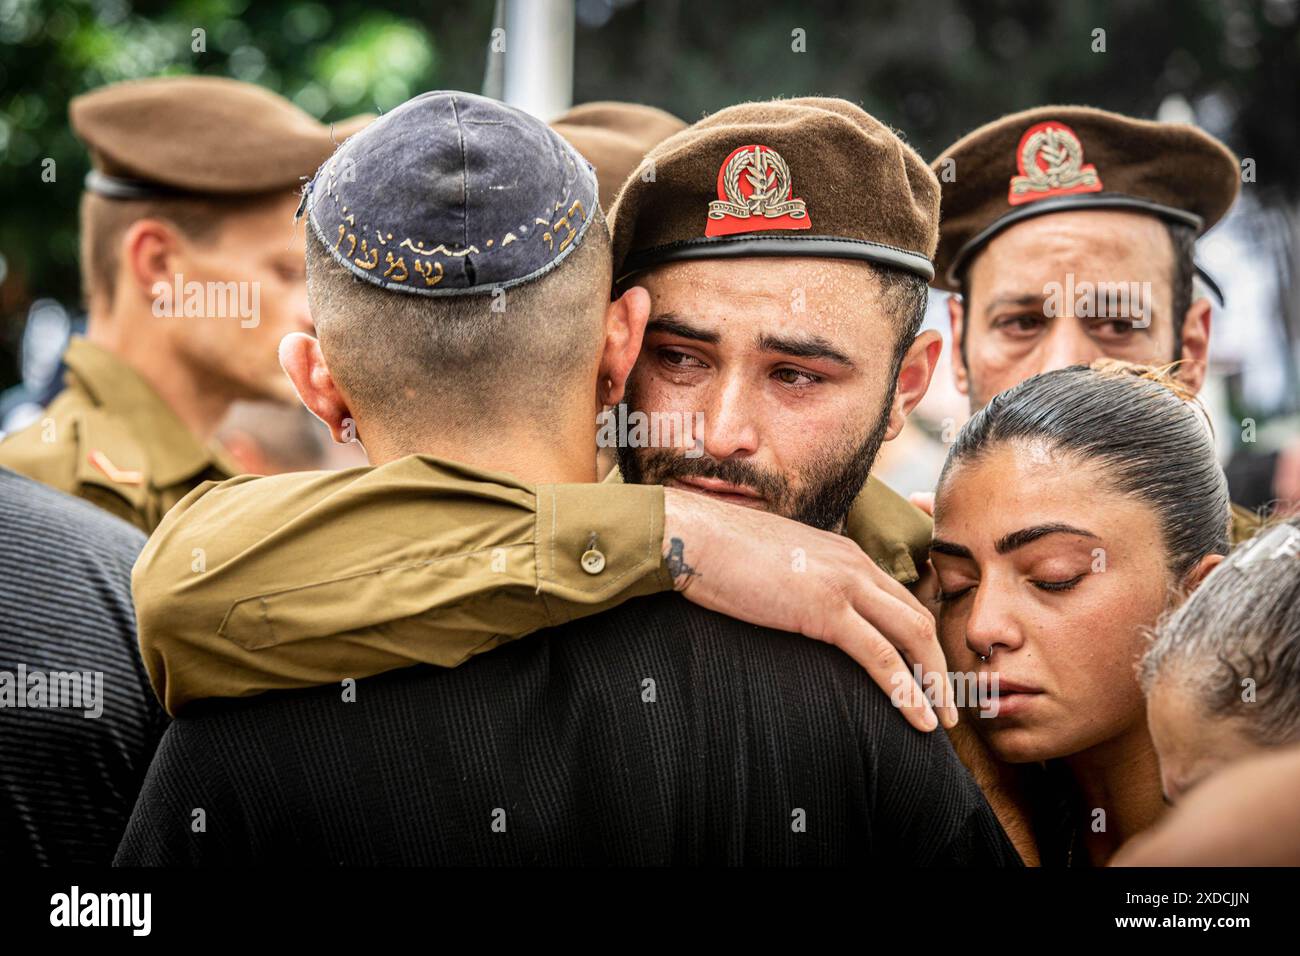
<point x="614" y="138"/>
<point x="198" y="135"/>
<point x="802" y="177"/>
<point x="1057" y="158"/>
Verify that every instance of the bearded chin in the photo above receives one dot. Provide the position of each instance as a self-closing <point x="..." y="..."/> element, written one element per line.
<point x="827" y="486"/>
<point x="831" y="488"/>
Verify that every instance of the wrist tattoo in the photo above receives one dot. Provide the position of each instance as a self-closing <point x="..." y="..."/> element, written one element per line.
<point x="680" y="571"/>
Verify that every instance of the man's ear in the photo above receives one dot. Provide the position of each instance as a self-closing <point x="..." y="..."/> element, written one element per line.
<point x="302" y="361"/>
<point x="914" y="379"/>
<point x="1196" y="344"/>
<point x="1203" y="567"/>
<point x="625" y="322"/>
<point x="152" y="252"/>
<point x="957" y="323"/>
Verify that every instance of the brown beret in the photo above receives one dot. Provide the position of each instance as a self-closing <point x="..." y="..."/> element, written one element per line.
<point x="342" y="129"/>
<point x="1056" y="158"/>
<point x="614" y="137"/>
<point x="802" y="177"/>
<point x="198" y="134"/>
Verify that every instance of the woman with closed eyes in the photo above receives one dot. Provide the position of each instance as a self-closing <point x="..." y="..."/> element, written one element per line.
<point x="1073" y="510"/>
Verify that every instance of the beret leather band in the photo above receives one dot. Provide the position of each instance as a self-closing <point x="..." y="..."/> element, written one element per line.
<point x="1085" y="201"/>
<point x="1060" y="204"/>
<point x="120" y="187"/>
<point x="1210" y="284"/>
<point x="1069" y="157"/>
<point x="822" y="247"/>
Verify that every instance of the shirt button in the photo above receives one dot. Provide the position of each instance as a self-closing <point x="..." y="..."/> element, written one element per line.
<point x="593" y="561"/>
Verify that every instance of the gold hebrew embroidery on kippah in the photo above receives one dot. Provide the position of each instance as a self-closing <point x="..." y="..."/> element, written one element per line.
<point x="351" y="237"/>
<point x="428" y="271"/>
<point x="362" y="254"/>
<point x="565" y="222"/>
<point x="419" y="249"/>
<point x="393" y="266"/>
<point x="367" y="261"/>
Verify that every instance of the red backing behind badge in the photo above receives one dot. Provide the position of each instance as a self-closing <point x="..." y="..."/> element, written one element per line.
<point x="755" y="194"/>
<point x="1050" y="160"/>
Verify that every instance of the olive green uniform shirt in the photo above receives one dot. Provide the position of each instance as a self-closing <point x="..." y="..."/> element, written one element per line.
<point x="110" y="438"/>
<point x="304" y="579"/>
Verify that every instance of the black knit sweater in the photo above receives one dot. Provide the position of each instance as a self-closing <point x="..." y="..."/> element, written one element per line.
<point x="656" y="733"/>
<point x="68" y="780"/>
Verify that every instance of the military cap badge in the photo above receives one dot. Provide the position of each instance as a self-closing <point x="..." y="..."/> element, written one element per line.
<point x="755" y="193"/>
<point x="1050" y="160"/>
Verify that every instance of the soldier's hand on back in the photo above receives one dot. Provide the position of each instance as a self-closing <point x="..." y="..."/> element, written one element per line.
<point x="774" y="572"/>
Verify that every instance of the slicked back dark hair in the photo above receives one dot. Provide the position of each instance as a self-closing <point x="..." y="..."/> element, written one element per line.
<point x="1135" y="423"/>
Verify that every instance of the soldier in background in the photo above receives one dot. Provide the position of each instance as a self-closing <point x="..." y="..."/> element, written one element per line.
<point x="193" y="272"/>
<point x="1070" y="234"/>
<point x="614" y="138"/>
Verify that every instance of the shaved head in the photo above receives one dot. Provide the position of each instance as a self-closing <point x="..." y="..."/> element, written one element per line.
<point x="455" y="362"/>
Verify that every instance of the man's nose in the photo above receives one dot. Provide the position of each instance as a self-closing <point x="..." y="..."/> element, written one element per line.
<point x="730" y="425"/>
<point x="1067" y="343"/>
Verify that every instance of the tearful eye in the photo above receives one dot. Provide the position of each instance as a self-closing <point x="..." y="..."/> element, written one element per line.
<point x="679" y="360"/>
<point x="795" y="377"/>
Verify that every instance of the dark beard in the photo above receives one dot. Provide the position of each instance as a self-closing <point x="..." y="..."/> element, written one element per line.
<point x="827" y="486"/>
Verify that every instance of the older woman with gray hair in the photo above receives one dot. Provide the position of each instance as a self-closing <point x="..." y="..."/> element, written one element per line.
<point x="1222" y="674"/>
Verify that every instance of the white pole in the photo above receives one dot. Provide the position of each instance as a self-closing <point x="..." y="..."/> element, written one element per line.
<point x="539" y="56"/>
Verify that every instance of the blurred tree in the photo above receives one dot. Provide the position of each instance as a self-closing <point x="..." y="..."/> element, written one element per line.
<point x="333" y="60"/>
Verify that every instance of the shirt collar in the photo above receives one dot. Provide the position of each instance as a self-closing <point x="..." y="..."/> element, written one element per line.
<point x="174" y="454"/>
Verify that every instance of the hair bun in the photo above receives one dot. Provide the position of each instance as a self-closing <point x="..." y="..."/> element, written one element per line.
<point x="1160" y="374"/>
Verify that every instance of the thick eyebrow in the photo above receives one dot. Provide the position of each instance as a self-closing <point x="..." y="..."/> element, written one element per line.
<point x="1028" y="298"/>
<point x="670" y="324"/>
<point x="803" y="346"/>
<point x="949" y="547"/>
<point x="1018" y="539"/>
